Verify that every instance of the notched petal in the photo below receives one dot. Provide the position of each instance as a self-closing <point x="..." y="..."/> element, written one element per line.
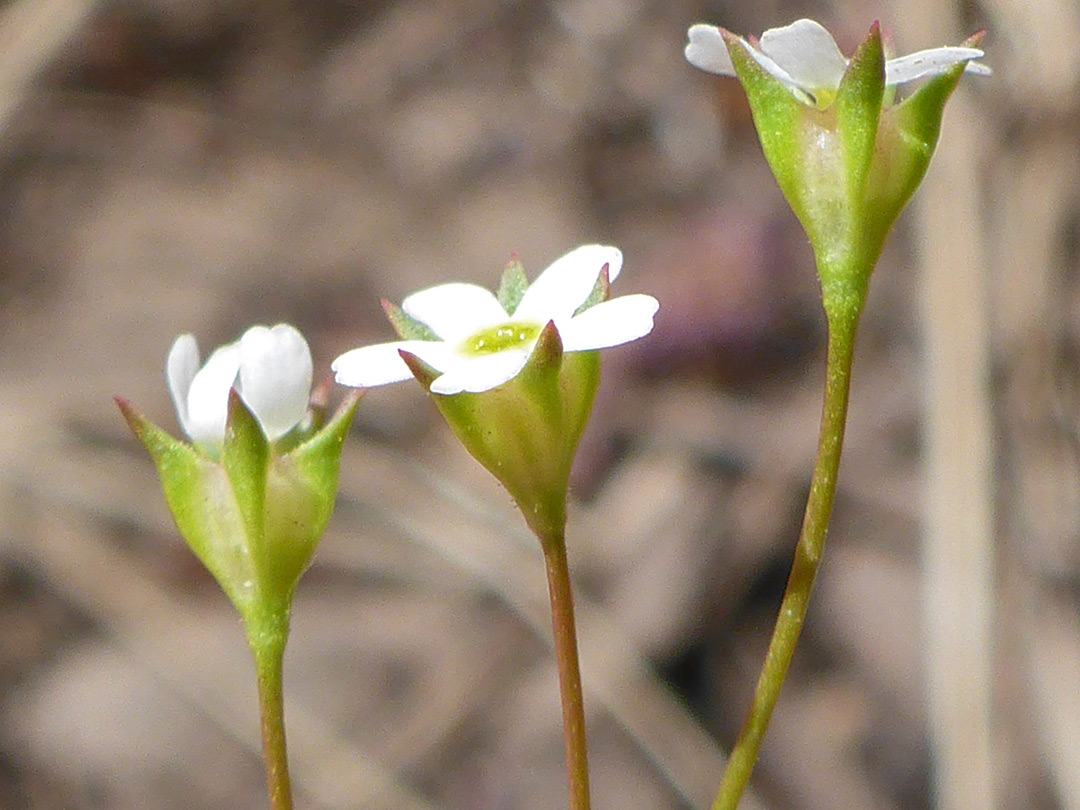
<point x="275" y="376"/>
<point x="705" y="49"/>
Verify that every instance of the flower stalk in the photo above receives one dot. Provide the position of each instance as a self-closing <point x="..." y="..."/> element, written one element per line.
<point x="253" y="492"/>
<point x="566" y="654"/>
<point x="515" y="376"/>
<point x="268" y="647"/>
<point x="808" y="555"/>
<point x="847" y="157"/>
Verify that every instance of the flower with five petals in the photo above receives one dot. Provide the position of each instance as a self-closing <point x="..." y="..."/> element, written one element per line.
<point x="515" y="374"/>
<point x="477" y="341"/>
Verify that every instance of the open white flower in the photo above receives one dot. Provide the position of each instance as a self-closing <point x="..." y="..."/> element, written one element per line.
<point x="480" y="346"/>
<point x="270" y="368"/>
<point x="805" y="58"/>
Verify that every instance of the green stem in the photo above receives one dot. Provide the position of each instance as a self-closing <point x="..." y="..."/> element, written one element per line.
<point x="804" y="569"/>
<point x="268" y="647"/>
<point x="566" y="653"/>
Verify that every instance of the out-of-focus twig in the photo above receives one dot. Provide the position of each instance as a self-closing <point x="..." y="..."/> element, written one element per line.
<point x="958" y="531"/>
<point x="959" y="528"/>
<point x="31" y="34"/>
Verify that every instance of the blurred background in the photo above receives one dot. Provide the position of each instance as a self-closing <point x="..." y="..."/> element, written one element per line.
<point x="169" y="166"/>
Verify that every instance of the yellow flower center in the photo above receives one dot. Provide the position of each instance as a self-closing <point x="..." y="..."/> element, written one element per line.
<point x="499" y="338"/>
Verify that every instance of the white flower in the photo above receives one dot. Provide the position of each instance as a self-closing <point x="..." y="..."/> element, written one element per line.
<point x="480" y="346"/>
<point x="271" y="369"/>
<point x="805" y="58"/>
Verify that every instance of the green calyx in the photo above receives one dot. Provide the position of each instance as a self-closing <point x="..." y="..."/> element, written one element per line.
<point x="847" y="168"/>
<point x="526" y="431"/>
<point x="254" y="518"/>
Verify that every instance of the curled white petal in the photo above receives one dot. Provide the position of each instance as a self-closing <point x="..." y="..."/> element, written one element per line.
<point x="275" y="377"/>
<point x="930" y="63"/>
<point x="180" y="369"/>
<point x="208" y="396"/>
<point x="807" y="53"/>
<point x="456" y="310"/>
<point x="705" y="49"/>
<point x="477" y="374"/>
<point x="566" y="283"/>
<point x="610" y="323"/>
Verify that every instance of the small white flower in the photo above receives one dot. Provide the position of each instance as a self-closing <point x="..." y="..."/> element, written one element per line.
<point x="805" y="58"/>
<point x="271" y="369"/>
<point x="481" y="347"/>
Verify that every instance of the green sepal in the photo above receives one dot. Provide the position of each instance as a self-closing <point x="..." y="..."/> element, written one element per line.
<point x="845" y="245"/>
<point x="847" y="167"/>
<point x="779" y="118"/>
<point x="600" y="292"/>
<point x="512" y="286"/>
<point x="301" y="489"/>
<point x="909" y="134"/>
<point x="245" y="455"/>
<point x="526" y="432"/>
<point x="254" y="519"/>
<point x="407" y="327"/>
<point x="200" y="497"/>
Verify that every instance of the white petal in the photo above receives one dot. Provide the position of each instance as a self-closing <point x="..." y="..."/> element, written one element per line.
<point x="610" y="323"/>
<point x="566" y="283"/>
<point x="275" y="376"/>
<point x="208" y="397"/>
<point x="778" y="73"/>
<point x="807" y="52"/>
<point x="380" y="364"/>
<point x="456" y="310"/>
<point x="476" y="374"/>
<point x="929" y="63"/>
<point x="705" y="49"/>
<point x="180" y="369"/>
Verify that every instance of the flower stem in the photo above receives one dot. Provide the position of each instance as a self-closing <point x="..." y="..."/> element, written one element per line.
<point x="268" y="647"/>
<point x="804" y="569"/>
<point x="566" y="653"/>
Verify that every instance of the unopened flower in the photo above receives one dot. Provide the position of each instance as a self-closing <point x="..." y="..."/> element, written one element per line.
<point x="270" y="368"/>
<point x="477" y="341"/>
<point x="805" y="58"/>
<point x="251" y="507"/>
